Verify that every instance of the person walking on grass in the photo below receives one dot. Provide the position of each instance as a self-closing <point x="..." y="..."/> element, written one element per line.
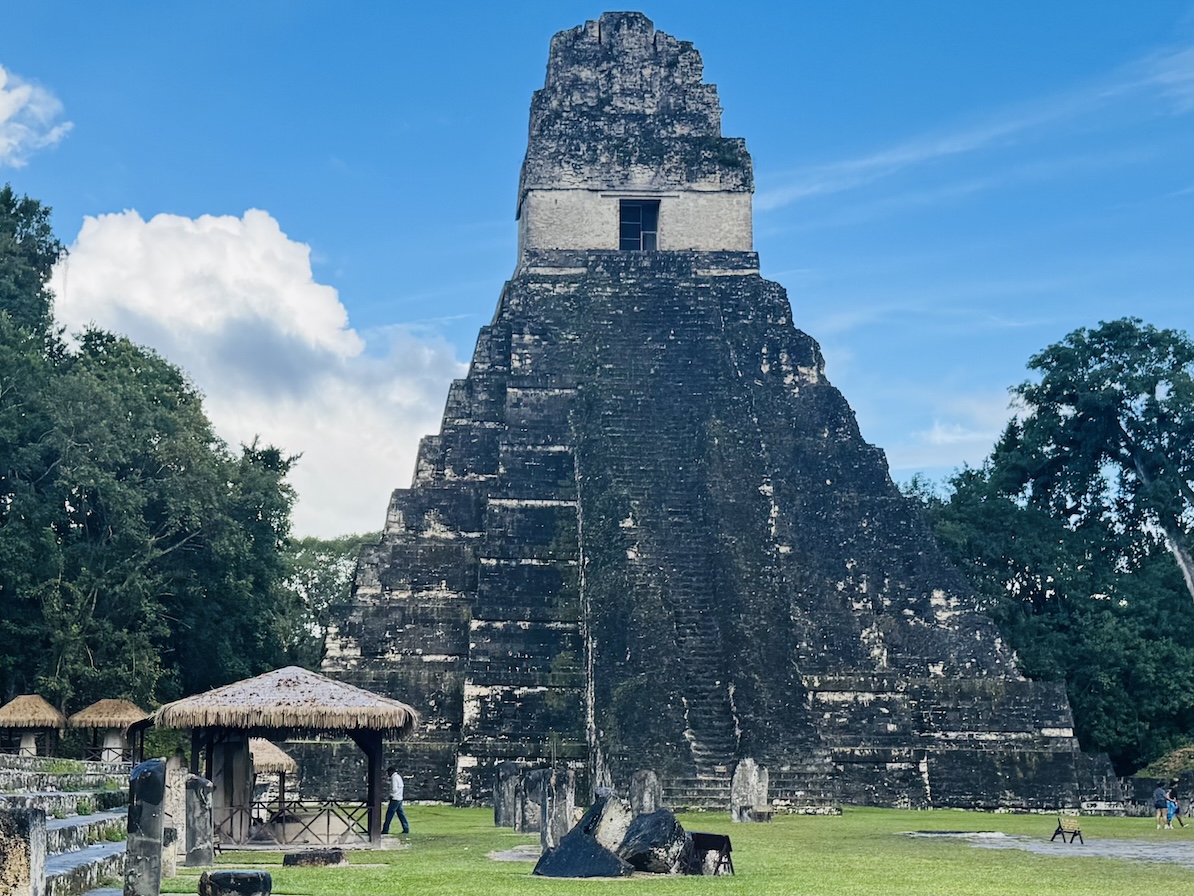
<point x="1161" y="804"/>
<point x="397" y="790"/>
<point x="1175" y="808"/>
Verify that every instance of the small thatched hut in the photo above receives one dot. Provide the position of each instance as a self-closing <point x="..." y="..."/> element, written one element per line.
<point x="28" y="716"/>
<point x="278" y="704"/>
<point x="112" y="718"/>
<point x="272" y="761"/>
<point x="269" y="758"/>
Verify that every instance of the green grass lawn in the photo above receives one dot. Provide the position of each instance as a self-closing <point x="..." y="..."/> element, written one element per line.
<point x="860" y="853"/>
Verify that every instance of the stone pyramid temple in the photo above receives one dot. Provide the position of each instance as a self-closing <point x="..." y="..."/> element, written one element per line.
<point x="648" y="534"/>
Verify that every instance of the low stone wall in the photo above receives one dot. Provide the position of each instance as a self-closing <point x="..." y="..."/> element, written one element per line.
<point x="61" y="803"/>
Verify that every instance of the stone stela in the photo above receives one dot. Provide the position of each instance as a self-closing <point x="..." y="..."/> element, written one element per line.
<point x="649" y="535"/>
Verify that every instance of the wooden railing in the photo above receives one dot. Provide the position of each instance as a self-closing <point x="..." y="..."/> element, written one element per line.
<point x="324" y="822"/>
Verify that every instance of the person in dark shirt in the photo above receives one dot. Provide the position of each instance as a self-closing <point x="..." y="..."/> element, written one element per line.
<point x="1161" y="804"/>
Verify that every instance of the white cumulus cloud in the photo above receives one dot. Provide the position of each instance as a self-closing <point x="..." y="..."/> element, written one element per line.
<point x="28" y="119"/>
<point x="232" y="301"/>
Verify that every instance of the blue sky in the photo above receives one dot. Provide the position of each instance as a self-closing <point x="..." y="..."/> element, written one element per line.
<point x="310" y="206"/>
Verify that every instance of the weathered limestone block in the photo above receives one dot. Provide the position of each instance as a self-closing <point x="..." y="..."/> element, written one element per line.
<point x="22" y="852"/>
<point x="169" y="852"/>
<point x="174" y="818"/>
<point x="200" y="832"/>
<point x="559" y="806"/>
<point x="505" y="794"/>
<point x="528" y="799"/>
<point x="143" y="850"/>
<point x="608" y="820"/>
<point x="235" y="883"/>
<point x="747" y="790"/>
<point x="656" y="842"/>
<point x="646" y="795"/>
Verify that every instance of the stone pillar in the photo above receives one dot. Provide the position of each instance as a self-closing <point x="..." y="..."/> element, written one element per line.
<point x="174" y="813"/>
<point x="528" y="799"/>
<point x="646" y="794"/>
<point x="200" y="840"/>
<point x="232" y="777"/>
<point x="143" y="852"/>
<point x="113" y="748"/>
<point x="559" y="805"/>
<point x="23" y="852"/>
<point x="747" y="790"/>
<point x="505" y="794"/>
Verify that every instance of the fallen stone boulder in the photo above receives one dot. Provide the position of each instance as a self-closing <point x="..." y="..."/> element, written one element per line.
<point x="235" y="883"/>
<point x="656" y="842"/>
<point x="607" y="821"/>
<point x="310" y="858"/>
<point x="580" y="855"/>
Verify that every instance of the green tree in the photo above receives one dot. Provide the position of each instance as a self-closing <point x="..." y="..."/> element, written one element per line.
<point x="1109" y="432"/>
<point x="319" y="578"/>
<point x="1070" y="529"/>
<point x="139" y="558"/>
<point x="28" y="251"/>
<point x="1101" y="609"/>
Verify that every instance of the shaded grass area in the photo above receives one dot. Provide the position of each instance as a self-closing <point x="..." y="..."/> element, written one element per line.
<point x="864" y="852"/>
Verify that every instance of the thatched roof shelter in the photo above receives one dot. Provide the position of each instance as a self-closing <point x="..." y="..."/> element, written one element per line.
<point x="285" y="701"/>
<point x="108" y="713"/>
<point x="291" y="698"/>
<point x="30" y="711"/>
<point x="268" y="757"/>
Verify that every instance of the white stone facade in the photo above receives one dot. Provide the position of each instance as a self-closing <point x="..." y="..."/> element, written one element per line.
<point x="700" y="220"/>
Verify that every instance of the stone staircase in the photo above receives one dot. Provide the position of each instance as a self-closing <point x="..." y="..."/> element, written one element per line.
<point x="86" y="817"/>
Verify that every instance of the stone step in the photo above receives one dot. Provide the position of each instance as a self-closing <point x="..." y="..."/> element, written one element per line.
<point x="65" y="803"/>
<point x="76" y="872"/>
<point x="20" y="780"/>
<point x="77" y="832"/>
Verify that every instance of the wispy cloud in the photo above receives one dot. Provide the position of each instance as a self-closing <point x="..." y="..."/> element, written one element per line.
<point x="963" y="430"/>
<point x="1169" y="74"/>
<point x="28" y="119"/>
<point x="1171" y="71"/>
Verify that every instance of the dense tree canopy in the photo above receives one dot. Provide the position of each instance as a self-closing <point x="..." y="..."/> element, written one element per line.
<point x="1070" y="529"/>
<point x="318" y="579"/>
<point x="28" y="251"/>
<point x="1109" y="431"/>
<point x="139" y="557"/>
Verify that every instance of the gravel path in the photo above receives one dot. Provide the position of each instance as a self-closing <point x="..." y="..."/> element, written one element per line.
<point x="1176" y="852"/>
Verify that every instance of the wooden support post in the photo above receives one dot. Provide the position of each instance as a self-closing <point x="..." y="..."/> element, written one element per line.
<point x="370" y="744"/>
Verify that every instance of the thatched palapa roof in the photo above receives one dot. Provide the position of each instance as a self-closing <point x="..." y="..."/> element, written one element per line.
<point x="30" y="711"/>
<point x="269" y="757"/>
<point x="290" y="698"/>
<point x="108" y="714"/>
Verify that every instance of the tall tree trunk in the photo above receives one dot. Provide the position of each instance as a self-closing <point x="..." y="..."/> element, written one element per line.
<point x="1176" y="543"/>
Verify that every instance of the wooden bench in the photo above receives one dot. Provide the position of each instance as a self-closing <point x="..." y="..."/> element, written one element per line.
<point x="761" y="813"/>
<point x="705" y="844"/>
<point x="1068" y="824"/>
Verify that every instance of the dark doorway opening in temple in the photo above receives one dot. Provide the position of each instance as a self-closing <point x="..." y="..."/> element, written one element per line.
<point x="638" y="225"/>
